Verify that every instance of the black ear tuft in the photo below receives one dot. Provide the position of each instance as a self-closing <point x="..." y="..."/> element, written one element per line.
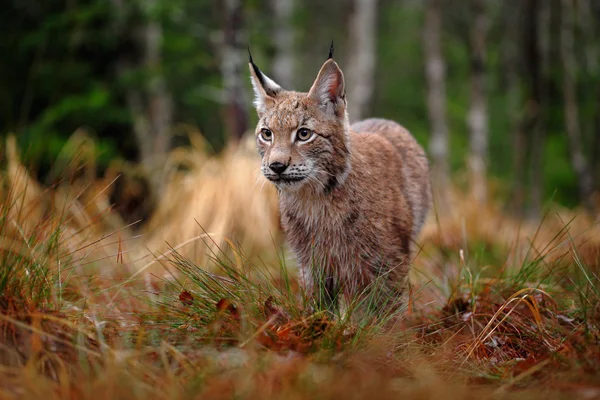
<point x="330" y="51"/>
<point x="257" y="71"/>
<point x="250" y="56"/>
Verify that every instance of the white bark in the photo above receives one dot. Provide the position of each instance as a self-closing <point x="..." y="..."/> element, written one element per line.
<point x="477" y="116"/>
<point x="589" y="13"/>
<point x="435" y="74"/>
<point x="283" y="38"/>
<point x="514" y="109"/>
<point x="580" y="164"/>
<point x="361" y="68"/>
<point x="151" y="105"/>
<point x="587" y="17"/>
<point x="543" y="14"/>
<point x="233" y="69"/>
<point x="159" y="107"/>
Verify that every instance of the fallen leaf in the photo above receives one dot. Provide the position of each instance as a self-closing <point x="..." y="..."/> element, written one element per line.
<point x="186" y="298"/>
<point x="226" y="305"/>
<point x="270" y="310"/>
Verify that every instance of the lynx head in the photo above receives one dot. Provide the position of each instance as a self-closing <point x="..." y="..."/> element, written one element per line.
<point x="303" y="137"/>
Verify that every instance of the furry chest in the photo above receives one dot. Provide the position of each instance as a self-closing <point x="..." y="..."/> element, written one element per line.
<point x="327" y="247"/>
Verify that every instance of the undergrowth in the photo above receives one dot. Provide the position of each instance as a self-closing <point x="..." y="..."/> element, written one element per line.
<point x="496" y="309"/>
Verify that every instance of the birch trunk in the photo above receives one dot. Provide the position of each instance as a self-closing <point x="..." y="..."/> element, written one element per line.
<point x="596" y="143"/>
<point x="233" y="64"/>
<point x="512" y="57"/>
<point x="435" y="71"/>
<point x="539" y="64"/>
<point x="477" y="117"/>
<point x="150" y="105"/>
<point x="283" y="38"/>
<point x="156" y="142"/>
<point x="578" y="159"/>
<point x="361" y="68"/>
<point x="589" y="12"/>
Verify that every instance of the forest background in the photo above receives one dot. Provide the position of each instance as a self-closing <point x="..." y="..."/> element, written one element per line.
<point x="141" y="254"/>
<point x="505" y="90"/>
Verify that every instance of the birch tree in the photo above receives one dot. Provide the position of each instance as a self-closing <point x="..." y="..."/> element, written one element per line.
<point x="151" y="104"/>
<point x="283" y="38"/>
<point x="513" y="55"/>
<point x="589" y="12"/>
<point x="540" y="13"/>
<point x="436" y="102"/>
<point x="573" y="128"/>
<point x="233" y="69"/>
<point x="361" y="67"/>
<point x="477" y="116"/>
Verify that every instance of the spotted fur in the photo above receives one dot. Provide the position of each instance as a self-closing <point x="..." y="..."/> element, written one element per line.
<point x="352" y="199"/>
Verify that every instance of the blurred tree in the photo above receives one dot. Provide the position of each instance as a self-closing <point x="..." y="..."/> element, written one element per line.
<point x="361" y="64"/>
<point x="589" y="14"/>
<point x="149" y="102"/>
<point x="50" y="86"/>
<point x="109" y="66"/>
<point x="436" y="102"/>
<point x="512" y="59"/>
<point x="530" y="33"/>
<point x="318" y="23"/>
<point x="477" y="115"/>
<point x="539" y="40"/>
<point x="283" y="40"/>
<point x="233" y="62"/>
<point x="573" y="127"/>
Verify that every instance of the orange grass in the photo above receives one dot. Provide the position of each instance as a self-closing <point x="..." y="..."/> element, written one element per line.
<point x="499" y="307"/>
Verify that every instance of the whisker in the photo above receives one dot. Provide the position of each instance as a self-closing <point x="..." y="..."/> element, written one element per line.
<point x="323" y="171"/>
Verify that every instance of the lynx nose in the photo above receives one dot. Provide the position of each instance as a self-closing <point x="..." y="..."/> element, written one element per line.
<point x="277" y="167"/>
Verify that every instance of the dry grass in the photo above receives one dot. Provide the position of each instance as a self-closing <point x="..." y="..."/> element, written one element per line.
<point x="224" y="195"/>
<point x="499" y="307"/>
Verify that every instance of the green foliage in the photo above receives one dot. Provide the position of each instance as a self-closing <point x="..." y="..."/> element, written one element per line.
<point x="64" y="69"/>
<point x="26" y="262"/>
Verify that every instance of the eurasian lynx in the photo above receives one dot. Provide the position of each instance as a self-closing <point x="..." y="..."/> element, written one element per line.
<point x="352" y="198"/>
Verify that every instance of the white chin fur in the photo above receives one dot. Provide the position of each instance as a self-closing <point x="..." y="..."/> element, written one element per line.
<point x="290" y="186"/>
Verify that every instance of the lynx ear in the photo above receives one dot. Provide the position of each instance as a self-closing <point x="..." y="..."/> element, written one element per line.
<point x="329" y="89"/>
<point x="265" y="89"/>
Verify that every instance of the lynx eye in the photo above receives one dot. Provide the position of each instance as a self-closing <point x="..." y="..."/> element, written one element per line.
<point x="266" y="135"/>
<point x="304" y="134"/>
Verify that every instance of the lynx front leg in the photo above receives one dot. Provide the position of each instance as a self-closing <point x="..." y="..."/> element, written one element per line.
<point x="390" y="294"/>
<point x="321" y="289"/>
<point x="382" y="294"/>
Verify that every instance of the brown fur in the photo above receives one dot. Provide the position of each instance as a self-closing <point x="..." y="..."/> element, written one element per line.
<point x="364" y="196"/>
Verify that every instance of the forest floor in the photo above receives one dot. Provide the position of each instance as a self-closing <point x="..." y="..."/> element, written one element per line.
<point x="498" y="308"/>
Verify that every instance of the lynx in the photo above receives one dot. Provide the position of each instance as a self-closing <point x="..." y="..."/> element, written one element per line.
<point x="352" y="198"/>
